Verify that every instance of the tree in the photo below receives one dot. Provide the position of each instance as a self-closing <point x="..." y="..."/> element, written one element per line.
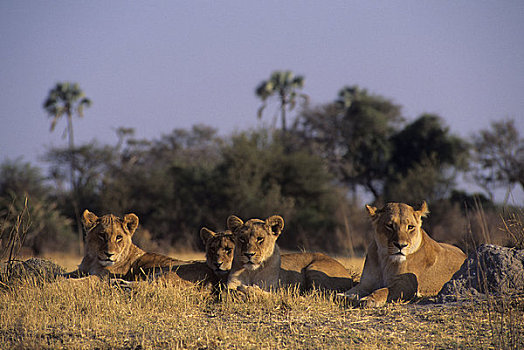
<point x="424" y="180"/>
<point x="260" y="178"/>
<point x="353" y="134"/>
<point x="425" y="160"/>
<point x="498" y="154"/>
<point x="22" y="187"/>
<point x="428" y="138"/>
<point x="68" y="99"/>
<point x="169" y="182"/>
<point x="285" y="86"/>
<point x="92" y="163"/>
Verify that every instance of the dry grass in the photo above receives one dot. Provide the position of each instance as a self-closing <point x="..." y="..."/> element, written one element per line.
<point x="95" y="315"/>
<point x="514" y="228"/>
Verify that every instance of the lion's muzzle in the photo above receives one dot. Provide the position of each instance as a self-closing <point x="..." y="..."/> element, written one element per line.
<point x="249" y="261"/>
<point x="219" y="268"/>
<point x="107" y="259"/>
<point x="400" y="247"/>
<point x="397" y="252"/>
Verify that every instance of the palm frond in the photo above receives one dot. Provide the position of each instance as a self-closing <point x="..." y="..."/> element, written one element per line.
<point x="260" y="110"/>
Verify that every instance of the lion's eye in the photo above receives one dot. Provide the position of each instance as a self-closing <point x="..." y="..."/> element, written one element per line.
<point x="227" y="250"/>
<point x="119" y="238"/>
<point x="242" y="240"/>
<point x="389" y="227"/>
<point x="102" y="237"/>
<point x="260" y="239"/>
<point x="410" y="227"/>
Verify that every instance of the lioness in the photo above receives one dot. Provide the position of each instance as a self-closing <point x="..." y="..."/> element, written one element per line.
<point x="257" y="260"/>
<point x="109" y="250"/>
<point x="402" y="260"/>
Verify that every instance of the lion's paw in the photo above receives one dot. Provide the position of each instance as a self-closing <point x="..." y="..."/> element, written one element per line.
<point x="351" y="300"/>
<point x="123" y="284"/>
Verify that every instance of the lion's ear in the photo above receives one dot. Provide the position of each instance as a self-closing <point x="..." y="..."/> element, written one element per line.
<point x="276" y="224"/>
<point x="131" y="223"/>
<point x="88" y="220"/>
<point x="423" y="211"/>
<point x="371" y="210"/>
<point x="234" y="222"/>
<point x="206" y="234"/>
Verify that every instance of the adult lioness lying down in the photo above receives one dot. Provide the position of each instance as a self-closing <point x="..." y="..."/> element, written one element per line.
<point x="109" y="251"/>
<point x="402" y="260"/>
<point x="257" y="260"/>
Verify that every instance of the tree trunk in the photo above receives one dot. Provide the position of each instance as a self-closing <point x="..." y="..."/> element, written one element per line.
<point x="373" y="190"/>
<point x="283" y="103"/>
<point x="74" y="185"/>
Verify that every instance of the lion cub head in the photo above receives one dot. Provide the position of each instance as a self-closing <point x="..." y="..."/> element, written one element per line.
<point x="255" y="239"/>
<point x="398" y="231"/>
<point x="108" y="238"/>
<point x="220" y="247"/>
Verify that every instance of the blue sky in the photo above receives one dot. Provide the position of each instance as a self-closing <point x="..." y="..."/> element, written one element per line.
<point x="160" y="65"/>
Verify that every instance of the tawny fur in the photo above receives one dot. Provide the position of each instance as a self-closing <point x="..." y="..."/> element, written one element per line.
<point x="402" y="260"/>
<point x="314" y="270"/>
<point x="110" y="252"/>
<point x="265" y="267"/>
<point x="220" y="247"/>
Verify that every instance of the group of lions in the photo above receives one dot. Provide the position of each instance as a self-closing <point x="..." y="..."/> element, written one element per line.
<point x="402" y="261"/>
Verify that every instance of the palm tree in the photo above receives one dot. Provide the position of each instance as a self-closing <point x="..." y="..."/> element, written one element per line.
<point x="67" y="99"/>
<point x="285" y="86"/>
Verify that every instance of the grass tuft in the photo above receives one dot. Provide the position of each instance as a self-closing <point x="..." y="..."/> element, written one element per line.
<point x="154" y="315"/>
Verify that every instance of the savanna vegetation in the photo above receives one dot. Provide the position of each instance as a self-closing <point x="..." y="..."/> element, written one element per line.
<point x="316" y="170"/>
<point x="316" y="167"/>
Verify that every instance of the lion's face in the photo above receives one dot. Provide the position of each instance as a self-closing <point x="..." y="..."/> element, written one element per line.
<point x="397" y="229"/>
<point x="255" y="239"/>
<point x="108" y="238"/>
<point x="220" y="247"/>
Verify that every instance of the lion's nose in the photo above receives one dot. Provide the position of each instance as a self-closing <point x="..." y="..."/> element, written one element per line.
<point x="400" y="246"/>
<point x="249" y="255"/>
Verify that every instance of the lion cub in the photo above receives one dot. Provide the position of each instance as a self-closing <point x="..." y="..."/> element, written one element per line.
<point x="109" y="250"/>
<point x="402" y="260"/>
<point x="257" y="260"/>
<point x="219" y="251"/>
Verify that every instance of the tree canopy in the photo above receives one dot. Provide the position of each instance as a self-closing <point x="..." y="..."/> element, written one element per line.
<point x="498" y="156"/>
<point x="353" y="134"/>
